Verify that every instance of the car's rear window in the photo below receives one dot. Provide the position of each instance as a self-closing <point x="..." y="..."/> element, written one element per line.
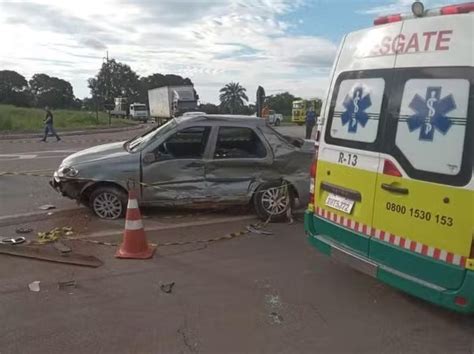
<point x="238" y="142"/>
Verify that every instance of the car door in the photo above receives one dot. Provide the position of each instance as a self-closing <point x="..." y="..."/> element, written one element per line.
<point x="240" y="157"/>
<point x="173" y="172"/>
<point x="423" y="197"/>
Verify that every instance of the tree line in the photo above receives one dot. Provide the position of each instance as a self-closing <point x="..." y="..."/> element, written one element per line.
<point x="41" y="90"/>
<point x="115" y="79"/>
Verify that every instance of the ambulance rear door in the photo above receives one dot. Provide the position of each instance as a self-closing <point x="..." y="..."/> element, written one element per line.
<point x="348" y="158"/>
<point x="423" y="198"/>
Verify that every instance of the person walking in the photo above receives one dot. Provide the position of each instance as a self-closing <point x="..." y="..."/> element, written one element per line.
<point x="48" y="125"/>
<point x="310" y="122"/>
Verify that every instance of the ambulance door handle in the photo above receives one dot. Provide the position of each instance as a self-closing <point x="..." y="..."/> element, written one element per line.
<point x="394" y="189"/>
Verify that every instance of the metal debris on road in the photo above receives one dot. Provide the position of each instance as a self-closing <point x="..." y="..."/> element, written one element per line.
<point x="167" y="288"/>
<point x="34" y="286"/>
<point x="67" y="284"/>
<point x="254" y="230"/>
<point x="23" y="230"/>
<point x="276" y="318"/>
<point x="12" y="241"/>
<point x="47" y="207"/>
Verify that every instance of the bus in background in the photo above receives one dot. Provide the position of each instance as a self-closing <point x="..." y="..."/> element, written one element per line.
<point x="301" y="107"/>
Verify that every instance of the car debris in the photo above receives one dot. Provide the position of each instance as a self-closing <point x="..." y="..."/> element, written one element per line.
<point x="34" y="286"/>
<point x="12" y="241"/>
<point x="276" y="317"/>
<point x="254" y="230"/>
<point x="23" y="230"/>
<point x="47" y="207"/>
<point x="167" y="287"/>
<point x="67" y="284"/>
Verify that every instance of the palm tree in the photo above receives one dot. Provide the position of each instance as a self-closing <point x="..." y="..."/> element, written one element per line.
<point x="232" y="96"/>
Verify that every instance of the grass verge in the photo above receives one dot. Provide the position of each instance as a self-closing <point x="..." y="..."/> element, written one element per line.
<point x="19" y="119"/>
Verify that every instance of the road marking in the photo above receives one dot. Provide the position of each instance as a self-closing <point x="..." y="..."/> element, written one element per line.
<point x="35" y="155"/>
<point x="18" y="156"/>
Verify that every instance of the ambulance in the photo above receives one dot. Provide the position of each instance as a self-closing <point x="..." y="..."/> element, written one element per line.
<point x="392" y="185"/>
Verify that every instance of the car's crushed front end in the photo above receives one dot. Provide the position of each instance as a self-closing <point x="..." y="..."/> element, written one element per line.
<point x="108" y="163"/>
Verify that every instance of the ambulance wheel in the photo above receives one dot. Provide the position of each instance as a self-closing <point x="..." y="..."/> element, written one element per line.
<point x="108" y="202"/>
<point x="272" y="201"/>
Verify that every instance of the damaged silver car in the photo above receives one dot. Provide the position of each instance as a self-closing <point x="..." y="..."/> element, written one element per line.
<point x="193" y="161"/>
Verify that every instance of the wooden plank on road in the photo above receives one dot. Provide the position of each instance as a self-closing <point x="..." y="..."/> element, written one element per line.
<point x="45" y="253"/>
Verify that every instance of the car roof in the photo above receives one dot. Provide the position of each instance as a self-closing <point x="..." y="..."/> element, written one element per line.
<point x="247" y="120"/>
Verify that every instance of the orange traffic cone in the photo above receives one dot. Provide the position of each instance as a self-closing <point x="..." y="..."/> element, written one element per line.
<point x="134" y="243"/>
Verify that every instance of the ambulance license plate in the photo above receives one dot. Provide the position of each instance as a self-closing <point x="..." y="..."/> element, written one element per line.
<point x="339" y="203"/>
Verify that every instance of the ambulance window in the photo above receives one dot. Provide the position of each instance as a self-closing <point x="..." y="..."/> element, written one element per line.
<point x="431" y="127"/>
<point x="357" y="110"/>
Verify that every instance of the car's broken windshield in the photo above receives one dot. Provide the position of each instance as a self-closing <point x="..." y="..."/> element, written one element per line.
<point x="141" y="141"/>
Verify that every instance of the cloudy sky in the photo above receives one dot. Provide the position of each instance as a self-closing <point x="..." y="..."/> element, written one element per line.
<point x="283" y="45"/>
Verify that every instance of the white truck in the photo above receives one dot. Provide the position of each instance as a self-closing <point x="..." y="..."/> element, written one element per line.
<point x="170" y="101"/>
<point x="120" y="108"/>
<point x="138" y="111"/>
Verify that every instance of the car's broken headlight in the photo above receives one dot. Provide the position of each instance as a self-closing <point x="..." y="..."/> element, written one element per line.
<point x="67" y="171"/>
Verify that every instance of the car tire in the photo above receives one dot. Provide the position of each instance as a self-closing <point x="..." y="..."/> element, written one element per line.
<point x="108" y="202"/>
<point x="268" y="203"/>
<point x="277" y="123"/>
<point x="300" y="124"/>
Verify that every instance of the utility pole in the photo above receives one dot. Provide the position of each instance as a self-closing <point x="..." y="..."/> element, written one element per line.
<point x="107" y="78"/>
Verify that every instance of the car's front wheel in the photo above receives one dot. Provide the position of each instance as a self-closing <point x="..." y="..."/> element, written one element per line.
<point x="272" y="200"/>
<point x="108" y="202"/>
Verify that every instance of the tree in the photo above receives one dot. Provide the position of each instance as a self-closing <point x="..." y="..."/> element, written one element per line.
<point x="14" y="89"/>
<point x="232" y="97"/>
<point x="114" y="79"/>
<point x="281" y="103"/>
<point x="51" y="91"/>
<point x="209" y="108"/>
<point x="88" y="104"/>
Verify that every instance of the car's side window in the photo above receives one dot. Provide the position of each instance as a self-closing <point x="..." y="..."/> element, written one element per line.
<point x="357" y="110"/>
<point x="431" y="126"/>
<point x="186" y="144"/>
<point x="238" y="142"/>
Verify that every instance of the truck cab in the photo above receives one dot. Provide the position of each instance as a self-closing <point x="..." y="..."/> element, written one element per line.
<point x="138" y="111"/>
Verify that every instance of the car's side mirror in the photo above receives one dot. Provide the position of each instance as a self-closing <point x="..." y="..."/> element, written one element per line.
<point x="150" y="157"/>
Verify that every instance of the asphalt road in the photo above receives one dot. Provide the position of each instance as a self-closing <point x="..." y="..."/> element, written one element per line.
<point x="24" y="194"/>
<point x="251" y="294"/>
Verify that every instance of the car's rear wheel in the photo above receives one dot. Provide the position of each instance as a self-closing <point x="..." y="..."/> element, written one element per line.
<point x="272" y="200"/>
<point x="108" y="202"/>
<point x="277" y="123"/>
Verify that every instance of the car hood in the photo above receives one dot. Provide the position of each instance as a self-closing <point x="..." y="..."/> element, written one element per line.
<point x="96" y="153"/>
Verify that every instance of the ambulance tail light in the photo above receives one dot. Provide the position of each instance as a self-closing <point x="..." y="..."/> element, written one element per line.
<point x="457" y="9"/>
<point x="460" y="301"/>
<point x="390" y="169"/>
<point x="387" y="19"/>
<point x="312" y="186"/>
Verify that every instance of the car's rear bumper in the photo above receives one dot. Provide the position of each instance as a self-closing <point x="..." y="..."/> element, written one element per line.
<point x="413" y="285"/>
